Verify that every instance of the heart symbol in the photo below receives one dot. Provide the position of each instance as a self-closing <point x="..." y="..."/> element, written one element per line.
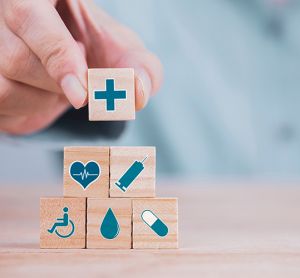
<point x="85" y="174"/>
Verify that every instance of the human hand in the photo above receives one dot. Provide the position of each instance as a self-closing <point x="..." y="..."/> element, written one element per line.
<point x="46" y="47"/>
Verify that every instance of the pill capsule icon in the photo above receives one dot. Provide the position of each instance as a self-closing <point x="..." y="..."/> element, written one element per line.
<point x="159" y="227"/>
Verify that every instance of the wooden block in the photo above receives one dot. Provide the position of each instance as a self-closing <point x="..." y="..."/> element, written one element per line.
<point x="155" y="223"/>
<point x="111" y="94"/>
<point x="70" y="236"/>
<point x="109" y="223"/>
<point x="125" y="164"/>
<point x="86" y="172"/>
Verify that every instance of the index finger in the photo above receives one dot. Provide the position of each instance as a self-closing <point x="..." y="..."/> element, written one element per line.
<point x="39" y="25"/>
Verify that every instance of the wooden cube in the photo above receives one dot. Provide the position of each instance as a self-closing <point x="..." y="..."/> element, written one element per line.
<point x="109" y="223"/>
<point x="62" y="222"/>
<point x="111" y="94"/>
<point x="86" y="172"/>
<point x="155" y="223"/>
<point x="132" y="171"/>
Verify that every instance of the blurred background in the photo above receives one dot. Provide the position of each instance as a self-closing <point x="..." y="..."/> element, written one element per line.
<point x="229" y="107"/>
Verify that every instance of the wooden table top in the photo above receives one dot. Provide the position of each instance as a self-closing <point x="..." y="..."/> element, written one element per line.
<point x="228" y="230"/>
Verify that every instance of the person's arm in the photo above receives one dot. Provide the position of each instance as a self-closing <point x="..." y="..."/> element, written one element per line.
<point x="46" y="48"/>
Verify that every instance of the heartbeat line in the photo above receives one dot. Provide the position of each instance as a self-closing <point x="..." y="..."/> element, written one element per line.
<point x="85" y="174"/>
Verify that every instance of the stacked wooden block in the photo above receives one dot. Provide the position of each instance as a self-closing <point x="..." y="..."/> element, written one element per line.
<point x="111" y="94"/>
<point x="109" y="192"/>
<point x="109" y="198"/>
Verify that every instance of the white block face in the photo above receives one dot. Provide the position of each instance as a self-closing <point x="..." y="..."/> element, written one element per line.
<point x="149" y="217"/>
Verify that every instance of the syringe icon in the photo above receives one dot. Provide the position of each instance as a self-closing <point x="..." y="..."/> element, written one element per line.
<point x="130" y="175"/>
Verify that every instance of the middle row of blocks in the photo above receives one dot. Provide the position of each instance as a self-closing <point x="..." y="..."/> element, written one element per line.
<point x="103" y="172"/>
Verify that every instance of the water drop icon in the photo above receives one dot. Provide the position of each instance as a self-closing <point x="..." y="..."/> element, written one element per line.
<point x="109" y="228"/>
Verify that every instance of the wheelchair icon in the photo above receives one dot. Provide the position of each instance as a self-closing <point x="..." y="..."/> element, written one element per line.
<point x="63" y="222"/>
<point x="69" y="234"/>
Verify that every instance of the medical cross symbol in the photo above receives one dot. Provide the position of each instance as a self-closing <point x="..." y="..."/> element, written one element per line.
<point x="110" y="94"/>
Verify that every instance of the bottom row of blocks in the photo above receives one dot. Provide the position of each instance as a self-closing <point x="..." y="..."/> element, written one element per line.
<point x="108" y="223"/>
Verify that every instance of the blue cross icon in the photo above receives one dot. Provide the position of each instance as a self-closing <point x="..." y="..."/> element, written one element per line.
<point x="110" y="94"/>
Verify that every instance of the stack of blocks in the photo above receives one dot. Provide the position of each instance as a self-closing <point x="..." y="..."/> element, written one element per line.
<point x="109" y="192"/>
<point x="109" y="200"/>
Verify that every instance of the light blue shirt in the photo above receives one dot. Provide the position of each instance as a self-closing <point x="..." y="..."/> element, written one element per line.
<point x="230" y="104"/>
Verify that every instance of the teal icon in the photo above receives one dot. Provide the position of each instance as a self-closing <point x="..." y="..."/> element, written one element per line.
<point x="159" y="227"/>
<point x="110" y="95"/>
<point x="109" y="228"/>
<point x="130" y="175"/>
<point x="85" y="174"/>
<point x="63" y="222"/>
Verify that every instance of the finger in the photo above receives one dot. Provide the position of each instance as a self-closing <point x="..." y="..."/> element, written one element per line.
<point x="148" y="74"/>
<point x="11" y="124"/>
<point x="43" y="120"/>
<point x="121" y="48"/>
<point x="143" y="88"/>
<point x="22" y="125"/>
<point x="39" y="25"/>
<point x="17" y="99"/>
<point x="82" y="48"/>
<point x="19" y="63"/>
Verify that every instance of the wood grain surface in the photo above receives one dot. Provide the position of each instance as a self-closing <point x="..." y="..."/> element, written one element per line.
<point x="98" y="188"/>
<point x="225" y="230"/>
<point x="96" y="211"/>
<point x="165" y="209"/>
<point x="121" y="159"/>
<point x="51" y="208"/>
<point x="123" y="80"/>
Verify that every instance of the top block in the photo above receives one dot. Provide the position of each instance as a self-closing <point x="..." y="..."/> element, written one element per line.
<point x="111" y="94"/>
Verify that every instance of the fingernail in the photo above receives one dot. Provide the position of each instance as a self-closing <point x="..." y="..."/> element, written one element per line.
<point x="73" y="90"/>
<point x="143" y="88"/>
